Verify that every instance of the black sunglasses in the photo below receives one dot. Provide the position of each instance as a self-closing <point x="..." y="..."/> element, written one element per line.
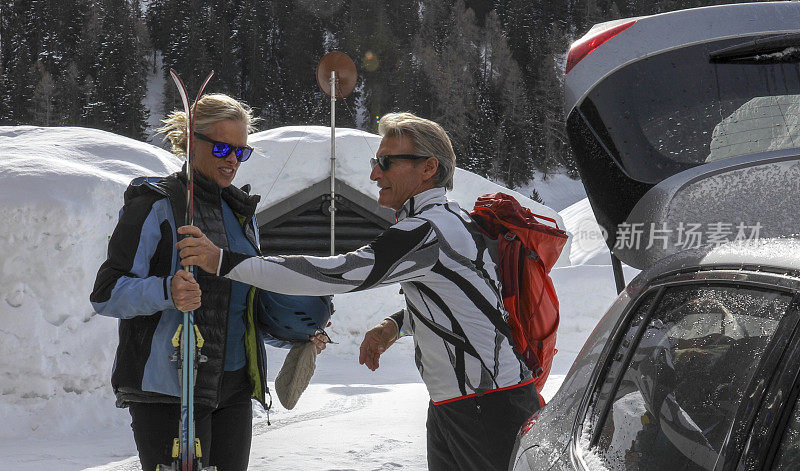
<point x="385" y="161"/>
<point x="223" y="149"/>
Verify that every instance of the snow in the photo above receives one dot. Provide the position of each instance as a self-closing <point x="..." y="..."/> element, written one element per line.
<point x="60" y="192"/>
<point x="290" y="159"/>
<point x="588" y="238"/>
<point x="557" y="191"/>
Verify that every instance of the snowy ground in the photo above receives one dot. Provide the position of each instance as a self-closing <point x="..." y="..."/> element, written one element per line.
<point x="556" y="191"/>
<point x="56" y="408"/>
<point x="349" y="419"/>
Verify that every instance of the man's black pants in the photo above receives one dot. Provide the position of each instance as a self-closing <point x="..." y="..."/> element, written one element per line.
<point x="224" y="432"/>
<point x="478" y="433"/>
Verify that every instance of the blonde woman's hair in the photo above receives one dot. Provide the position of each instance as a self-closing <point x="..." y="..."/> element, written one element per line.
<point x="211" y="109"/>
<point x="428" y="138"/>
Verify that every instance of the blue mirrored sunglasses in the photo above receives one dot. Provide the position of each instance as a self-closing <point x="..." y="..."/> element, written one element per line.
<point x="223" y="149"/>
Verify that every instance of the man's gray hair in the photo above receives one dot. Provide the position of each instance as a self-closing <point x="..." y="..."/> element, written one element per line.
<point x="428" y="138"/>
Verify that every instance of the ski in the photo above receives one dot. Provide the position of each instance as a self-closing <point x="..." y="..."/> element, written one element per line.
<point x="187" y="341"/>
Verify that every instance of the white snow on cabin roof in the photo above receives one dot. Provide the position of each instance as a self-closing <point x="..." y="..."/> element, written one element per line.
<point x="288" y="160"/>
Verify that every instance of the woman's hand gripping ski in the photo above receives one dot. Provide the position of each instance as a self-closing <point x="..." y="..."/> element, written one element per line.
<point x="198" y="250"/>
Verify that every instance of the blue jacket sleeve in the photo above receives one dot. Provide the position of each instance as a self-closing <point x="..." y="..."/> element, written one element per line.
<point x="124" y="287"/>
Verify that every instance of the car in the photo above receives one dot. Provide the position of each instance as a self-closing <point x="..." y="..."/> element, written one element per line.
<point x="686" y="132"/>
<point x="695" y="366"/>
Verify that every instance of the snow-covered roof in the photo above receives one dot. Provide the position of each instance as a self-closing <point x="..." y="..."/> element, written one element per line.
<point x="66" y="162"/>
<point x="290" y="159"/>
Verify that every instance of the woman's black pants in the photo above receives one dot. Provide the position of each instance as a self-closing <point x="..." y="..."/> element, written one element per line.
<point x="224" y="432"/>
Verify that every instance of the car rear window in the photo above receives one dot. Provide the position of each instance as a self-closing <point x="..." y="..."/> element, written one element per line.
<point x="693" y="355"/>
<point x="675" y="110"/>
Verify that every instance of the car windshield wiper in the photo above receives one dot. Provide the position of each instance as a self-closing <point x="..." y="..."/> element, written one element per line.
<point x="780" y="49"/>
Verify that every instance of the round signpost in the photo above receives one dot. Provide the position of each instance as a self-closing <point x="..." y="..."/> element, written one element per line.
<point x="336" y="77"/>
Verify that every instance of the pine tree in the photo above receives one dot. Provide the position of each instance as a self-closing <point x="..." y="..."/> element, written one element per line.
<point x="39" y="38"/>
<point x="482" y="145"/>
<point x="258" y="37"/>
<point x="291" y="58"/>
<point x="70" y="101"/>
<point x="121" y="71"/>
<point x="410" y="86"/>
<point x="451" y="64"/>
<point x="535" y="196"/>
<point x="185" y="47"/>
<point x="515" y="140"/>
<point x="522" y="22"/>
<point x="160" y="17"/>
<point x="73" y="18"/>
<point x="485" y="121"/>
<point x="43" y="99"/>
<point x="552" y="151"/>
<point x="222" y="48"/>
<point x="92" y="114"/>
<point x="19" y="61"/>
<point x="5" y="111"/>
<point x="501" y="131"/>
<point x="4" y="107"/>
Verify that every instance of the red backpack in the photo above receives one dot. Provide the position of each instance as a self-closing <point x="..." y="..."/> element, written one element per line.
<point x="526" y="251"/>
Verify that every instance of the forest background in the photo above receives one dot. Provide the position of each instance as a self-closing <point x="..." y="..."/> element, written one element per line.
<point x="491" y="72"/>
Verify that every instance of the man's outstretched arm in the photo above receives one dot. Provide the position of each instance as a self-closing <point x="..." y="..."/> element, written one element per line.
<point x="405" y="251"/>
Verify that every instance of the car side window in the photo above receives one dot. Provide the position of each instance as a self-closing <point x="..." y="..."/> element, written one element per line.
<point x="693" y="356"/>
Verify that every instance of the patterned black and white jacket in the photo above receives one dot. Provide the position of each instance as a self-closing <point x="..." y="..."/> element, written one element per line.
<point x="453" y="307"/>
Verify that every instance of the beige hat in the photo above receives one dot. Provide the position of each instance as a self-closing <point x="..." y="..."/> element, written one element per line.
<point x="296" y="373"/>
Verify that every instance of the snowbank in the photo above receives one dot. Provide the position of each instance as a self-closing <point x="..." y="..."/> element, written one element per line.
<point x="61" y="189"/>
<point x="589" y="272"/>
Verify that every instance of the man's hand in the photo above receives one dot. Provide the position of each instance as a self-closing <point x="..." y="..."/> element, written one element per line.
<point x="185" y="291"/>
<point x="320" y="341"/>
<point x="375" y="342"/>
<point x="198" y="250"/>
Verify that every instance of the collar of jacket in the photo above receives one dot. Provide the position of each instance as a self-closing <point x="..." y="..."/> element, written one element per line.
<point x="417" y="203"/>
<point x="239" y="199"/>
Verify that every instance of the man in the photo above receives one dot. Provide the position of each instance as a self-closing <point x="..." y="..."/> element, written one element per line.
<point x="481" y="392"/>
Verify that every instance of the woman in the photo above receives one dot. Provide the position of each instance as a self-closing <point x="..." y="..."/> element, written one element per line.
<point x="141" y="284"/>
